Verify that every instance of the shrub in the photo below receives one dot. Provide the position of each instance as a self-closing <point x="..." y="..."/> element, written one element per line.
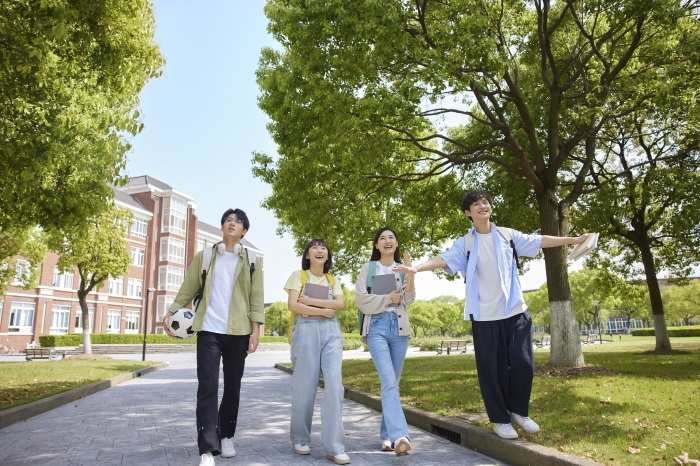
<point x="672" y="332"/>
<point x="76" y="339"/>
<point x="426" y="343"/>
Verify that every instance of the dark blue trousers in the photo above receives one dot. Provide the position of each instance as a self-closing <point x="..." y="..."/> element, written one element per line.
<point x="505" y="363"/>
<point x="215" y="421"/>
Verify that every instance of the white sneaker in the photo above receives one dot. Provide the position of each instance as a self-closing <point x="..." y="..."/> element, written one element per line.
<point x="227" y="448"/>
<point x="505" y="431"/>
<point x="386" y="445"/>
<point x="206" y="460"/>
<point x="402" y="446"/>
<point x="340" y="458"/>
<point x="300" y="448"/>
<point x="525" y="423"/>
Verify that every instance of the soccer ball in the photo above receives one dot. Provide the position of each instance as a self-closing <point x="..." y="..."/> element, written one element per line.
<point x="181" y="323"/>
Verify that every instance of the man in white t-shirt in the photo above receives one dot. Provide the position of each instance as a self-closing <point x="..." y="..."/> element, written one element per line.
<point x="227" y="320"/>
<point x="501" y="324"/>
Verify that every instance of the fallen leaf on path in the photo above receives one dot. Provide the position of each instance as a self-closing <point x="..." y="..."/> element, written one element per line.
<point x="634" y="450"/>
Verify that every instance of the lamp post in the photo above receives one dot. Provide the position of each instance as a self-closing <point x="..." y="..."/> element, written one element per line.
<point x="595" y="303"/>
<point x="145" y="321"/>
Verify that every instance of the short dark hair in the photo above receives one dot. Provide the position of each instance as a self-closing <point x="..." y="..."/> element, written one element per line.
<point x="472" y="196"/>
<point x="240" y="215"/>
<point x="306" y="263"/>
<point x="376" y="255"/>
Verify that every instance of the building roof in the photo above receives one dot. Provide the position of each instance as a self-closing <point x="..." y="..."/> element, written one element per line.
<point x="145" y="180"/>
<point x="127" y="199"/>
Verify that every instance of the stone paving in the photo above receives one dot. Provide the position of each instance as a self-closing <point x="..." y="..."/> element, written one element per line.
<point x="151" y="421"/>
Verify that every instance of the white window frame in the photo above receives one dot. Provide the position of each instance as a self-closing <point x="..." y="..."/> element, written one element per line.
<point x="170" y="277"/>
<point x="115" y="286"/>
<point x="138" y="256"/>
<point x="139" y="227"/>
<point x="79" y="319"/>
<point x="172" y="250"/>
<point x="114" y="321"/>
<point x="63" y="280"/>
<point x="21" y="317"/>
<point x="164" y="302"/>
<point x="133" y="319"/>
<point x="21" y="269"/>
<point x="174" y="216"/>
<point x="60" y="320"/>
<point x="134" y="288"/>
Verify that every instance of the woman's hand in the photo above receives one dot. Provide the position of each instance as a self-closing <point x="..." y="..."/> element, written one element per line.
<point x="406" y="258"/>
<point x="395" y="296"/>
<point x="303" y="299"/>
<point x="329" y="313"/>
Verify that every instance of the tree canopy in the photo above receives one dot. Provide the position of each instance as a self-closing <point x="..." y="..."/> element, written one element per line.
<point x="385" y="112"/>
<point x="70" y="74"/>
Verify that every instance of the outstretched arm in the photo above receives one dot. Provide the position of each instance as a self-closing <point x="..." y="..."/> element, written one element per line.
<point x="433" y="263"/>
<point x="554" y="241"/>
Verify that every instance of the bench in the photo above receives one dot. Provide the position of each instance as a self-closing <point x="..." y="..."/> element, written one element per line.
<point x="43" y="353"/>
<point x="589" y="339"/>
<point x="448" y="346"/>
<point x="544" y="341"/>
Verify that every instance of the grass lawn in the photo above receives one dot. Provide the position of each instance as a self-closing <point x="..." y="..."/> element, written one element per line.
<point x="624" y="408"/>
<point x="24" y="382"/>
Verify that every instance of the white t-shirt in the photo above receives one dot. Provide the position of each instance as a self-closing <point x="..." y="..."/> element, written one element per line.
<point x="492" y="300"/>
<point x="382" y="270"/>
<point x="216" y="318"/>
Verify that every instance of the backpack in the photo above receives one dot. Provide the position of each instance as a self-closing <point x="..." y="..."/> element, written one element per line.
<point x="304" y="279"/>
<point x="507" y="233"/>
<point x="206" y="262"/>
<point x="368" y="284"/>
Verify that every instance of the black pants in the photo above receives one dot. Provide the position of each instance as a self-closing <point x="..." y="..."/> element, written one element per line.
<point x="505" y="363"/>
<point x="216" y="422"/>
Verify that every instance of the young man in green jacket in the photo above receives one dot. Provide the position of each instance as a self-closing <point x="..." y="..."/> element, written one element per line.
<point x="227" y="320"/>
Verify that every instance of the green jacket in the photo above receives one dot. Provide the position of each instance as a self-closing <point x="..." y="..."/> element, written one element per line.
<point x="247" y="299"/>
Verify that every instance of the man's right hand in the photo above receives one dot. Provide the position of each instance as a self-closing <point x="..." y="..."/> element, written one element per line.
<point x="166" y="324"/>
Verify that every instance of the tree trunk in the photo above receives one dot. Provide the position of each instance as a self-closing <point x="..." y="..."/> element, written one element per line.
<point x="566" y="343"/>
<point x="663" y="342"/>
<point x="87" y="344"/>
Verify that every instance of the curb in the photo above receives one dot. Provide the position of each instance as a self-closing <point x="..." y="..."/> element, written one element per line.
<point x="20" y="413"/>
<point x="517" y="452"/>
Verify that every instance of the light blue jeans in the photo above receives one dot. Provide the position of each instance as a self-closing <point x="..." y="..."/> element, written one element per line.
<point x="388" y="350"/>
<point x="317" y="346"/>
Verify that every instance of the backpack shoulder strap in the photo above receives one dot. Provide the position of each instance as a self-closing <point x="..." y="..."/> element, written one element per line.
<point x="507" y="233"/>
<point x="370" y="275"/>
<point x="251" y="261"/>
<point x="331" y="280"/>
<point x="206" y="259"/>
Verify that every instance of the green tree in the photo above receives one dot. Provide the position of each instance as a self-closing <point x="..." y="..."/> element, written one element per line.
<point x="70" y="74"/>
<point x="538" y="304"/>
<point x="347" y="317"/>
<point x="29" y="244"/>
<point x="98" y="249"/>
<point x="423" y="316"/>
<point x="387" y="111"/>
<point x="449" y="313"/>
<point x="277" y="318"/>
<point x="683" y="302"/>
<point x="630" y="299"/>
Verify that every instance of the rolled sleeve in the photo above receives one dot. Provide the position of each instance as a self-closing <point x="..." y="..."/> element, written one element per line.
<point x="527" y="245"/>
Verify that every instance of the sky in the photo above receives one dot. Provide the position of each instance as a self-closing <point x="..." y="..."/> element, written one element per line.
<point x="202" y="125"/>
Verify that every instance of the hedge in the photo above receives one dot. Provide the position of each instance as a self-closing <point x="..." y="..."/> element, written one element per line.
<point x="672" y="332"/>
<point x="76" y="339"/>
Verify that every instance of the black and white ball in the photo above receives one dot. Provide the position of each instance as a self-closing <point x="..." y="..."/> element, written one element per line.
<point x="181" y="323"/>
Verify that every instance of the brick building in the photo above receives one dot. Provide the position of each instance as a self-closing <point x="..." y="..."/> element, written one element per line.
<point x="162" y="239"/>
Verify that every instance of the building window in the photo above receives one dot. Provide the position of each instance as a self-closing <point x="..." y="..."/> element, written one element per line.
<point x="164" y="303"/>
<point x="60" y="317"/>
<point x="170" y="277"/>
<point x="21" y="318"/>
<point x="62" y="280"/>
<point x="200" y="244"/>
<point x="116" y="286"/>
<point x="135" y="288"/>
<point x="137" y="256"/>
<point x="172" y="250"/>
<point x="132" y="322"/>
<point x="139" y="227"/>
<point x="174" y="216"/>
<point x="114" y="319"/>
<point x="79" y="319"/>
<point x="22" y="270"/>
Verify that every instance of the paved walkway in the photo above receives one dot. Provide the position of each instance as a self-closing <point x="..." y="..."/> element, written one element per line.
<point x="151" y="421"/>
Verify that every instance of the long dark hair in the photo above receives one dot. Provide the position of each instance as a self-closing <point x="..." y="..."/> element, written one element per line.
<point x="306" y="263"/>
<point x="376" y="255"/>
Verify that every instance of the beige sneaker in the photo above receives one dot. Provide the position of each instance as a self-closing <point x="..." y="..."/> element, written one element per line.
<point x="340" y="458"/>
<point x="402" y="446"/>
<point x="386" y="445"/>
<point x="300" y="448"/>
